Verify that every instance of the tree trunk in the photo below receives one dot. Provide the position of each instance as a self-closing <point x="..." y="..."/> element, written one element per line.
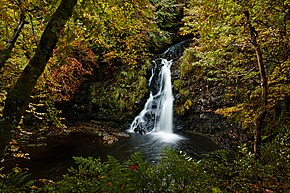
<point x="263" y="103"/>
<point x="6" y="53"/>
<point x="18" y="98"/>
<point x="261" y="114"/>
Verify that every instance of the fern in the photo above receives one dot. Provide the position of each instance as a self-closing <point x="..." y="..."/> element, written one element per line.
<point x="15" y="181"/>
<point x="89" y="165"/>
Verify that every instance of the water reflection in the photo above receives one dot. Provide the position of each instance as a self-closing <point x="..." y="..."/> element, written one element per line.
<point x="151" y="145"/>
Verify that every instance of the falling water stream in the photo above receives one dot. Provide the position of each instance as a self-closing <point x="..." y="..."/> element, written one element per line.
<point x="156" y="118"/>
<point x="157" y="114"/>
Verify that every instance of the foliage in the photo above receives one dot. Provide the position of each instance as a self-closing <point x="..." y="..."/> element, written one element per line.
<point x="15" y="181"/>
<point x="223" y="58"/>
<point x="174" y="173"/>
<point x="36" y="15"/>
<point x="241" y="175"/>
<point x="121" y="94"/>
<point x="117" y="30"/>
<point x="169" y="14"/>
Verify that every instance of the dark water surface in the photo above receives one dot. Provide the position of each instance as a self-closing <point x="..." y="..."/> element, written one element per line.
<point x="151" y="145"/>
<point x="53" y="162"/>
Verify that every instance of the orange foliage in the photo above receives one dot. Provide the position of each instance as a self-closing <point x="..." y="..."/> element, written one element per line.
<point x="65" y="80"/>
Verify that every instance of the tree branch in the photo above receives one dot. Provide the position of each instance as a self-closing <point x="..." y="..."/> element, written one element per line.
<point x="6" y="53"/>
<point x="261" y="114"/>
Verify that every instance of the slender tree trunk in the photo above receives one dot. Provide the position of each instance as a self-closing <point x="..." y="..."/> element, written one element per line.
<point x="6" y="53"/>
<point x="18" y="98"/>
<point x="263" y="104"/>
<point x="262" y="111"/>
<point x="284" y="34"/>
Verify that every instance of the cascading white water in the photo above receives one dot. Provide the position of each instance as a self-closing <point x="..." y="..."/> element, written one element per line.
<point x="165" y="109"/>
<point x="157" y="115"/>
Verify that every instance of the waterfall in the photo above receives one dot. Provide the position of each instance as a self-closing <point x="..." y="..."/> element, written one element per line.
<point x="157" y="114"/>
<point x="164" y="111"/>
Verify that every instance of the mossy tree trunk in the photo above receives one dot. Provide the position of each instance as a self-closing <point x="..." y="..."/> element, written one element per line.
<point x="262" y="111"/>
<point x="18" y="97"/>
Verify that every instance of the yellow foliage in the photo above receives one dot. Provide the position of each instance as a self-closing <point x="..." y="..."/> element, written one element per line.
<point x="229" y="111"/>
<point x="187" y="104"/>
<point x="34" y="187"/>
<point x="243" y="112"/>
<point x="180" y="110"/>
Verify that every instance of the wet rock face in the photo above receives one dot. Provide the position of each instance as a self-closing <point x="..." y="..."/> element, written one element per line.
<point x="203" y="122"/>
<point x="200" y="117"/>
